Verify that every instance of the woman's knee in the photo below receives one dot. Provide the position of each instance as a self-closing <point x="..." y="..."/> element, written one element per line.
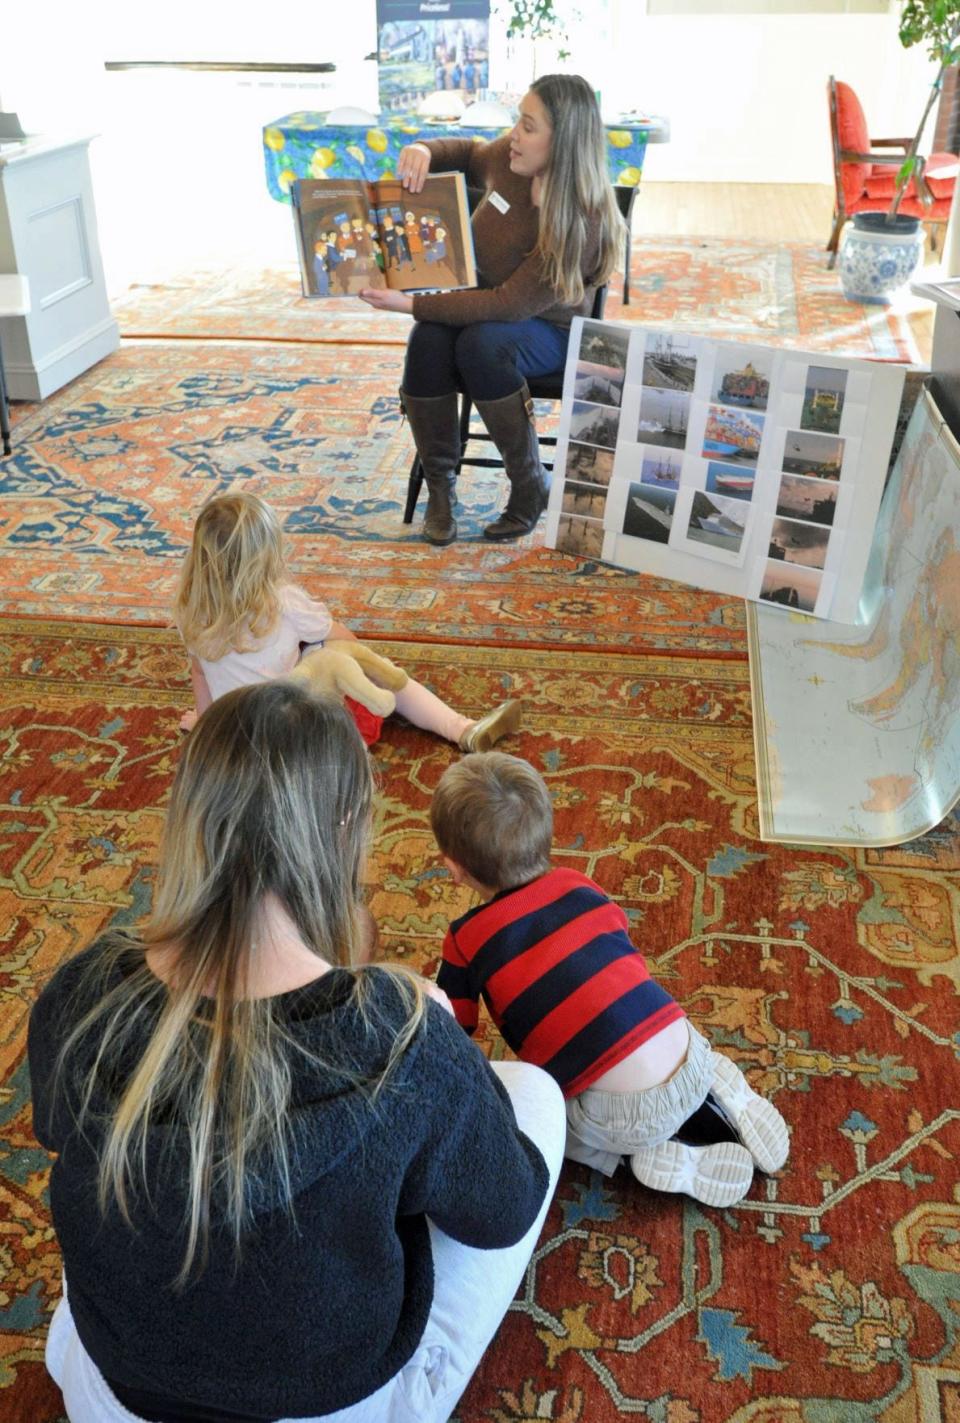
<point x="486" y="361"/>
<point x="430" y="367"/>
<point x="538" y="1106"/>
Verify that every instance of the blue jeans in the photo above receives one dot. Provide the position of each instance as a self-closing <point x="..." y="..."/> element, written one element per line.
<point x="487" y="359"/>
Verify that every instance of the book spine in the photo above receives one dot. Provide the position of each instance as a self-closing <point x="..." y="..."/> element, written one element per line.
<point x="297" y="211"/>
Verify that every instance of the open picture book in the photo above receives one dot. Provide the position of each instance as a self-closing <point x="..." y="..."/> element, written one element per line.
<point x="352" y="234"/>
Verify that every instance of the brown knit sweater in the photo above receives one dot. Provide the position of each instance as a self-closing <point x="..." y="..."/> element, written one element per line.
<point x="512" y="284"/>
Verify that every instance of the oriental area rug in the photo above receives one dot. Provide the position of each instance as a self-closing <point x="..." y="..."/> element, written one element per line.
<point x="776" y="293"/>
<point x="832" y="1293"/>
<point x="106" y="478"/>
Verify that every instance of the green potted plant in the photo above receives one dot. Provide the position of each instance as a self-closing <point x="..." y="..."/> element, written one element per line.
<point x="937" y="22"/>
<point x="882" y="250"/>
<point x="537" y="20"/>
<point x="531" y="24"/>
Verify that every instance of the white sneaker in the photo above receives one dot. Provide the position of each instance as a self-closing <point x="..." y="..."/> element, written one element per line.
<point x="717" y="1175"/>
<point x="756" y="1121"/>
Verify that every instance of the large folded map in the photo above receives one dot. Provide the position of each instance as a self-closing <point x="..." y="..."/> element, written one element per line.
<point x="857" y="728"/>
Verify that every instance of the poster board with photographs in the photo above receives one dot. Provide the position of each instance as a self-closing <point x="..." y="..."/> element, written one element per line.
<point x="424" y="46"/>
<point x="353" y="234"/>
<point x="730" y="466"/>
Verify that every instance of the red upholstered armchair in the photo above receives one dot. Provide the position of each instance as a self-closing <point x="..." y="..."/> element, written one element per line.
<point x="864" y="180"/>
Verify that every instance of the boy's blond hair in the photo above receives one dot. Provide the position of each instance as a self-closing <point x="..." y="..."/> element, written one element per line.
<point x="228" y="597"/>
<point x="492" y="815"/>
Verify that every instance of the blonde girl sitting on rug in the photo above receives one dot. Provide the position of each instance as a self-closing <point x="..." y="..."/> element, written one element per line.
<point x="243" y="620"/>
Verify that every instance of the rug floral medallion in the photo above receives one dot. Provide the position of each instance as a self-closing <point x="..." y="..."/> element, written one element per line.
<point x="832" y="1293"/>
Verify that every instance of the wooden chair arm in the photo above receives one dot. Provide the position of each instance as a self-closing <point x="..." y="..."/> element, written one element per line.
<point x="903" y="143"/>
<point x="847" y="156"/>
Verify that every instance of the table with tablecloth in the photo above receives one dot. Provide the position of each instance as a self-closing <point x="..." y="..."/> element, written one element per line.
<point x="304" y="145"/>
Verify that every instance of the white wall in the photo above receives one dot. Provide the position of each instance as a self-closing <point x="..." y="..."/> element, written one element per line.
<point x="178" y="169"/>
<point x="746" y="94"/>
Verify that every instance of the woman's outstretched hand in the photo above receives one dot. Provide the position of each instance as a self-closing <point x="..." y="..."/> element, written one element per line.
<point x="385" y="300"/>
<point x="413" y="165"/>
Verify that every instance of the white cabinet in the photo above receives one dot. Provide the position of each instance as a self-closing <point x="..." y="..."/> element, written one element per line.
<point x="48" y="233"/>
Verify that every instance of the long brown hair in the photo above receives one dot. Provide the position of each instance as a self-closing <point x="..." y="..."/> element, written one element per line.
<point x="272" y="796"/>
<point x="576" y="189"/>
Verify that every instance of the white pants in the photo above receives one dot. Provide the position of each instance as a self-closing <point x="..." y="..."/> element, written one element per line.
<point x="603" y="1127"/>
<point x="471" y="1293"/>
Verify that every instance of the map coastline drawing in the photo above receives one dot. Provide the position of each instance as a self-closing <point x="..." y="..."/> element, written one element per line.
<point x="856" y="727"/>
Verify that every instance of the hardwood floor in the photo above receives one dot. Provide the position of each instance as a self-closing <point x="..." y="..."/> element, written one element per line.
<point x="789" y="212"/>
<point x="785" y="212"/>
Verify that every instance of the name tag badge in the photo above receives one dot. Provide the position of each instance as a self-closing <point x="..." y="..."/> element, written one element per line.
<point x="499" y="203"/>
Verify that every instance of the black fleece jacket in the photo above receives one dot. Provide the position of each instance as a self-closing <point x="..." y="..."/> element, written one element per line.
<point x="324" y="1307"/>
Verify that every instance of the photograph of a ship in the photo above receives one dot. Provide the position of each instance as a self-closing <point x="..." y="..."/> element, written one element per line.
<point x="791" y="585"/>
<point x="664" y="415"/>
<point x="599" y="383"/>
<point x="649" y="513"/>
<point x="823" y="399"/>
<point x="661" y="470"/>
<point x="731" y="481"/>
<point x="604" y="345"/>
<point x="740" y="382"/>
<point x="584" y="499"/>
<point x="811" y="499"/>
<point x="818" y="456"/>
<point x="589" y="465"/>
<point x="720" y="523"/>
<point x="669" y="362"/>
<point x="797" y="542"/>
<point x="734" y="435"/>
<point x="594" y="424"/>
<point x="578" y="535"/>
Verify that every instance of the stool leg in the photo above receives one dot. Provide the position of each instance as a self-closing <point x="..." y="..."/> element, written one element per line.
<point x="414" y="485"/>
<point x="4" y="410"/>
<point x="626" y="271"/>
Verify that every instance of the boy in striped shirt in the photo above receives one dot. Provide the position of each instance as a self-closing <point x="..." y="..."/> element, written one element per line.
<point x="549" y="954"/>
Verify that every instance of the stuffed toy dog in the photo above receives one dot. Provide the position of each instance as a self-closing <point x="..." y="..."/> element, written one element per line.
<point x="365" y="681"/>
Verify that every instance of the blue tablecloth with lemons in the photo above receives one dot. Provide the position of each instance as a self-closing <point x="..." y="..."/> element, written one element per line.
<point x="303" y="145"/>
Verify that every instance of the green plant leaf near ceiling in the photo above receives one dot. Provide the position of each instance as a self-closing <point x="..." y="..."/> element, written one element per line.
<point x="536" y="20"/>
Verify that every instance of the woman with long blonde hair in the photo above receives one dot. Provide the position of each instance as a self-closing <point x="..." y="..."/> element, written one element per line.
<point x="286" y="1184"/>
<point x="547" y="233"/>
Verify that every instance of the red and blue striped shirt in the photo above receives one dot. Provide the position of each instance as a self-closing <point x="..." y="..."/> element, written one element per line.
<point x="562" y="981"/>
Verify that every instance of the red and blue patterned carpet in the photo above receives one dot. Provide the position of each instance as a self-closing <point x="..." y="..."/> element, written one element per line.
<point x="100" y="495"/>
<point x="832" y="1294"/>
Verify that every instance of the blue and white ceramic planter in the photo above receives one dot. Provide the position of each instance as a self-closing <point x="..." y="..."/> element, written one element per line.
<point x="878" y="257"/>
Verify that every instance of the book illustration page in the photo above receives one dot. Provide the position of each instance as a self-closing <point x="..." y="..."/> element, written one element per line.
<point x="426" y="238"/>
<point x="340" y="252"/>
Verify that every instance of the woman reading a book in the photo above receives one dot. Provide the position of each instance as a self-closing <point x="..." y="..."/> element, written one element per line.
<point x="547" y="233"/>
<point x="287" y="1184"/>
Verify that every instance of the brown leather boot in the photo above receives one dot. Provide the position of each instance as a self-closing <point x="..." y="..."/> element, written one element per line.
<point x="435" y="426"/>
<point x="509" y="423"/>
